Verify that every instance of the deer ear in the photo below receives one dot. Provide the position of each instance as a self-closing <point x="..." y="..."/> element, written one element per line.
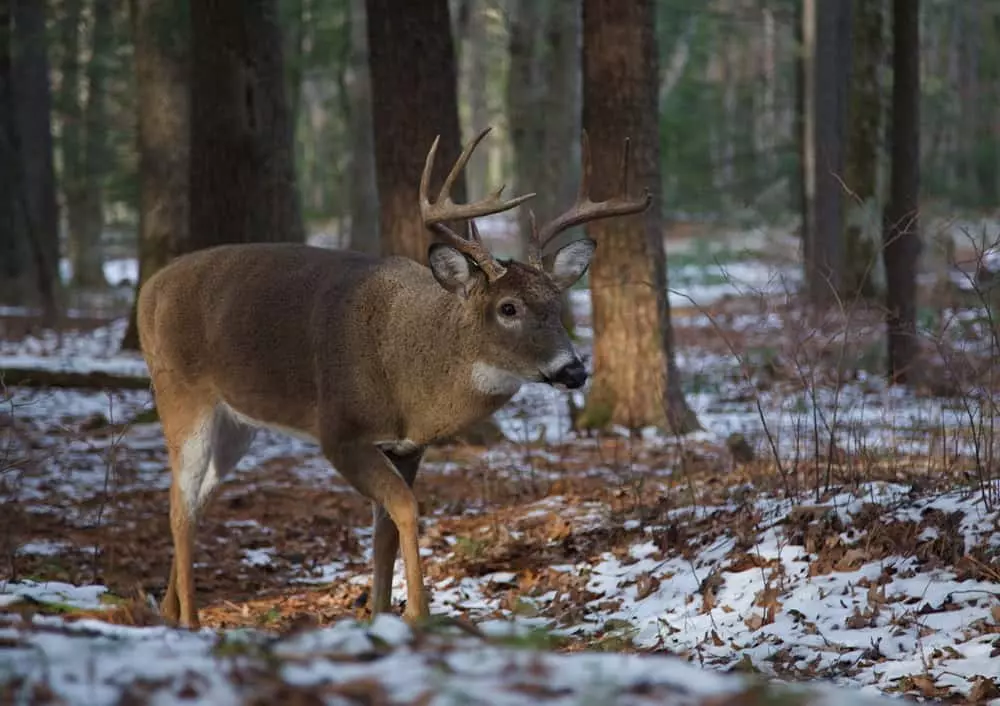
<point x="452" y="269"/>
<point x="571" y="261"/>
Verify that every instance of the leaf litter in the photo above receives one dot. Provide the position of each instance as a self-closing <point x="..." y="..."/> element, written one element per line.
<point x="867" y="567"/>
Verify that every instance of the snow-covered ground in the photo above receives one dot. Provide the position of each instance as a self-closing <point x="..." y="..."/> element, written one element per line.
<point x="876" y="566"/>
<point x="89" y="662"/>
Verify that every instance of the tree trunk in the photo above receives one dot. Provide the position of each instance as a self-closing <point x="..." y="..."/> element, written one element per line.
<point x="414" y="99"/>
<point x="863" y="143"/>
<point x="561" y="110"/>
<point x="901" y="229"/>
<point x="33" y="109"/>
<point x="635" y="380"/>
<point x="968" y="50"/>
<point x="543" y="94"/>
<point x="364" y="191"/>
<point x="476" y="63"/>
<point x="242" y="186"/>
<point x="70" y="107"/>
<point x="15" y="267"/>
<point x="88" y="256"/>
<point x="805" y="114"/>
<point x="987" y="115"/>
<point x="526" y="89"/>
<point x="294" y="24"/>
<point x="161" y="37"/>
<point x="824" y="269"/>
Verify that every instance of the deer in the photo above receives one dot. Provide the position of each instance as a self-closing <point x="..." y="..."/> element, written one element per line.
<point x="371" y="358"/>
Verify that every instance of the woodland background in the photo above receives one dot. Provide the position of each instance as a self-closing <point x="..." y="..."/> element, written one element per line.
<point x="786" y="461"/>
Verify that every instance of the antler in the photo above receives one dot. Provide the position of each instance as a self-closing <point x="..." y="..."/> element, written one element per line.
<point x="585" y="210"/>
<point x="444" y="209"/>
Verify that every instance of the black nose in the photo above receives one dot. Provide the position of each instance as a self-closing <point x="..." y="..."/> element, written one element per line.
<point x="573" y="375"/>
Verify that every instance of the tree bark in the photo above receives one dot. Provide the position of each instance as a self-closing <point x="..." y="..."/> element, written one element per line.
<point x="15" y="268"/>
<point x="476" y="64"/>
<point x="414" y="99"/>
<point x="987" y="117"/>
<point x="526" y="89"/>
<point x="294" y="24"/>
<point x="242" y="186"/>
<point x="805" y="114"/>
<point x="97" y="150"/>
<point x="635" y="380"/>
<point x="901" y="229"/>
<point x="967" y="73"/>
<point x="363" y="188"/>
<point x="86" y="152"/>
<point x="824" y="269"/>
<point x="863" y="143"/>
<point x="161" y="38"/>
<point x="33" y="110"/>
<point x="70" y="107"/>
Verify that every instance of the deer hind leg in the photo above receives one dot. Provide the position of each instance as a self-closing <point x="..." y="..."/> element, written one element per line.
<point x="202" y="452"/>
<point x="386" y="536"/>
<point x="370" y="472"/>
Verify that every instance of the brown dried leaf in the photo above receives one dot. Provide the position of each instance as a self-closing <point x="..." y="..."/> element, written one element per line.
<point x="646" y="585"/>
<point x="984" y="689"/>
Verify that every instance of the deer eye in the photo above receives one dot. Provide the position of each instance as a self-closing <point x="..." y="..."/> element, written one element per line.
<point x="508" y="309"/>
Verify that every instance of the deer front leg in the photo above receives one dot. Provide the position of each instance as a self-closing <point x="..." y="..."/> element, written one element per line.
<point x="386" y="536"/>
<point x="372" y="474"/>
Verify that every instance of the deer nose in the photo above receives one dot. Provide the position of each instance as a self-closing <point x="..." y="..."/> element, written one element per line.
<point x="573" y="375"/>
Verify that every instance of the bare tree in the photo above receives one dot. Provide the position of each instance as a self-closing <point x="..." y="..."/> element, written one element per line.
<point x="33" y="110"/>
<point x="363" y="188"/>
<point x="476" y="63"/>
<point x="824" y="263"/>
<point x="414" y="99"/>
<point x="864" y="141"/>
<point x="161" y="38"/>
<point x="27" y="264"/>
<point x="242" y="184"/>
<point x="543" y="98"/>
<point x="805" y="115"/>
<point x="636" y="382"/>
<point x="901" y="230"/>
<point x="84" y="146"/>
<point x="15" y="274"/>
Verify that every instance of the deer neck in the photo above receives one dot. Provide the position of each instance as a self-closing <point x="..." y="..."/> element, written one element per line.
<point x="455" y="387"/>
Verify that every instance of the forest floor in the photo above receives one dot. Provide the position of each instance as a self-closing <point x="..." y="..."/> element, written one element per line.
<point x="823" y="527"/>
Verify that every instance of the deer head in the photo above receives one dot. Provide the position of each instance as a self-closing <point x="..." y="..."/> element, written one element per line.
<point x="518" y="304"/>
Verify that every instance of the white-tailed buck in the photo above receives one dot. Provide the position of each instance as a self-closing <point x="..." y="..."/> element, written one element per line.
<point x="372" y="358"/>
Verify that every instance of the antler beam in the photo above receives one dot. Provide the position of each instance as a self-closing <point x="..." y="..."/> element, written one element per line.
<point x="444" y="209"/>
<point x="585" y="210"/>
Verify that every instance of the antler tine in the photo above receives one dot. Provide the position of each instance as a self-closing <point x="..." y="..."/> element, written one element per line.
<point x="585" y="210"/>
<point x="474" y="232"/>
<point x="444" y="195"/>
<point x="444" y="209"/>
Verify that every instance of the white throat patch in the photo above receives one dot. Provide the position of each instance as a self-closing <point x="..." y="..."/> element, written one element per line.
<point x="491" y="380"/>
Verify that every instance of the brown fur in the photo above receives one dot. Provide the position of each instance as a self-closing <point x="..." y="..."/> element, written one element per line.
<point x="348" y="349"/>
<point x="373" y="358"/>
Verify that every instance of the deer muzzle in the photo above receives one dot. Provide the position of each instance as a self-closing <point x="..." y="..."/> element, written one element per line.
<point x="572" y="375"/>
